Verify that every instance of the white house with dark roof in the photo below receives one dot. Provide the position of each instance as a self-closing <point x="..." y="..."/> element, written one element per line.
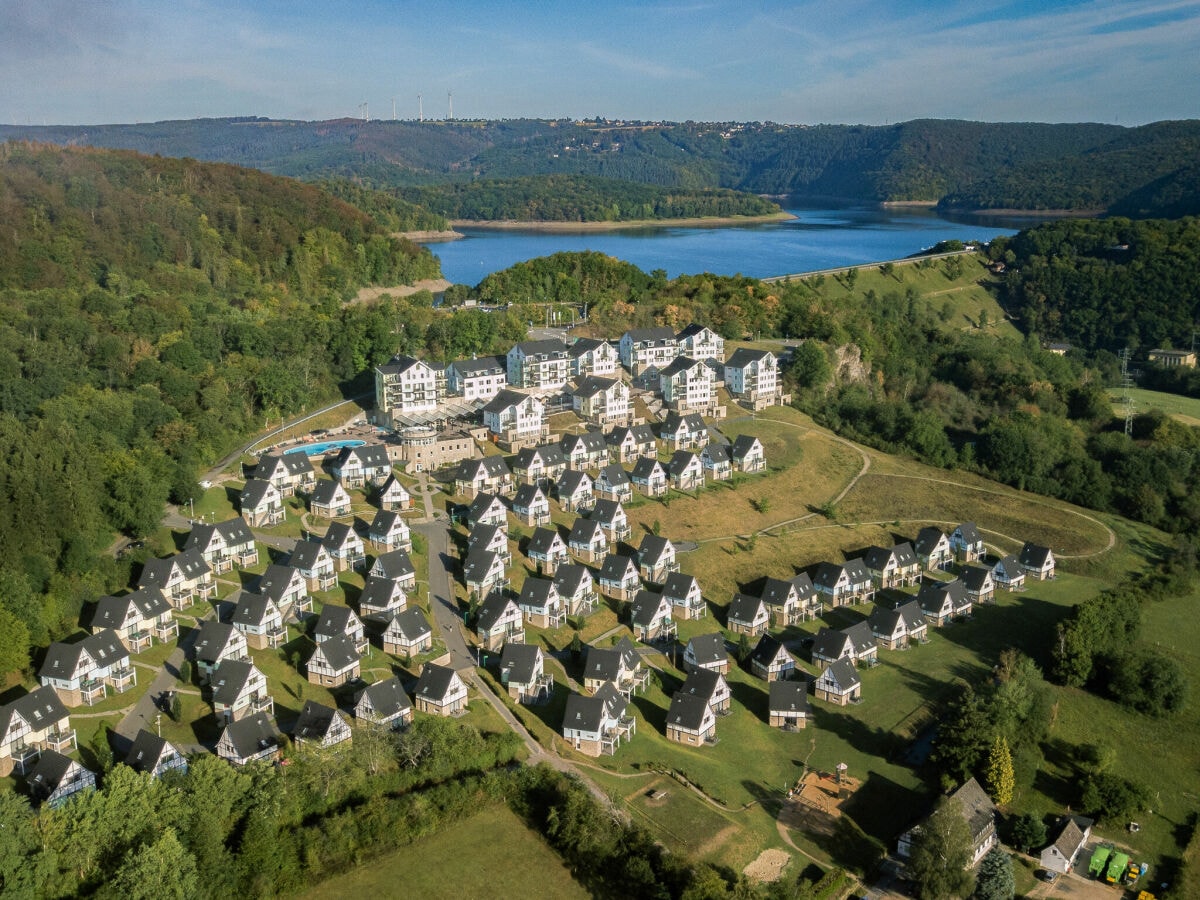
<point x="314" y="563"/>
<point x="629" y="443"/>
<point x="575" y="491"/>
<point x="610" y="514"/>
<point x="650" y="617"/>
<point x="483" y="572"/>
<point x="248" y="740"/>
<point x="516" y="419"/>
<point x="587" y="540"/>
<point x="585" y="451"/>
<point x="261" y="504"/>
<point x="394" y="496"/>
<point x="333" y="662"/>
<point x="597" y="725"/>
<point x="540" y="604"/>
<point x="488" y="475"/>
<point x="440" y="691"/>
<point x="844" y="584"/>
<point x="839" y="683"/>
<point x="239" y="689"/>
<point x="1037" y="561"/>
<point x="155" y="756"/>
<point x="289" y="473"/>
<point x="706" y="651"/>
<point x="752" y="377"/>
<point x="613" y="483"/>
<point x="747" y="615"/>
<point x="389" y="531"/>
<point x="345" y="547"/>
<point x="690" y="720"/>
<point x="182" y="578"/>
<point x="602" y="401"/>
<point x="522" y="671"/>
<point x="855" y="643"/>
<point x="787" y="705"/>
<point x="893" y="567"/>
<point x="650" y="477"/>
<point x="619" y="577"/>
<point x="967" y="543"/>
<point x="770" y="660"/>
<point x="979" y="812"/>
<point x="576" y="587"/>
<point x="286" y="587"/>
<point x="224" y="545"/>
<point x="31" y="723"/>
<point x="790" y="600"/>
<point x="899" y="628"/>
<point x="487" y="509"/>
<point x="357" y="467"/>
<point x="538" y="465"/>
<point x="656" y="559"/>
<point x="1008" y="573"/>
<point x="381" y="598"/>
<point x="541" y="366"/>
<point x="716" y="462"/>
<point x="591" y="357"/>
<point x="748" y="454"/>
<point x="620" y="666"/>
<point x="711" y="686"/>
<point x="530" y="505"/>
<point x="81" y="672"/>
<point x="406" y="386"/>
<point x="477" y="380"/>
<point x="57" y="778"/>
<point x="684" y="431"/>
<point x="493" y="538"/>
<point x="217" y="642"/>
<point x="498" y="621"/>
<point x="1063" y="852"/>
<point x="978" y="583"/>
<point x="329" y="499"/>
<point x="408" y="633"/>
<point x="384" y="703"/>
<point x="683" y="593"/>
<point x="685" y="471"/>
<point x="933" y="548"/>
<point x="260" y="620"/>
<point x="320" y="726"/>
<point x="644" y="348"/>
<point x="687" y="384"/>
<point x="701" y="342"/>
<point x="336" y="621"/>
<point x="137" y="618"/>
<point x="547" y="550"/>
<point x="940" y="600"/>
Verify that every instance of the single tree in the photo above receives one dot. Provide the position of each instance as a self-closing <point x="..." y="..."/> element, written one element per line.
<point x="995" y="879"/>
<point x="1000" y="779"/>
<point x="941" y="854"/>
<point x="175" y="710"/>
<point x="743" y="649"/>
<point x="1028" y="832"/>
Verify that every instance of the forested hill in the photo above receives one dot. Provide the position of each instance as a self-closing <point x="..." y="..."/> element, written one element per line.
<point x="1013" y="165"/>
<point x="580" y="198"/>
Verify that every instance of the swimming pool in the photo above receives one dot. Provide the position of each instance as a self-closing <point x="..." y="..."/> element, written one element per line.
<point x="324" y="447"/>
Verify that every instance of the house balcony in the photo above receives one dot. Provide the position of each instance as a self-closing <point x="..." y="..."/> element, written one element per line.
<point x="221" y="563"/>
<point x="353" y="480"/>
<point x="276" y="635"/>
<point x="326" y="580"/>
<point x="206" y="588"/>
<point x="274" y="516"/>
<point x="304" y="604"/>
<point x="539" y="691"/>
<point x="263" y="704"/>
<point x="754" y="465"/>
<point x="166" y="630"/>
<point x="62" y="741"/>
<point x="583" y="605"/>
<point x="137" y="641"/>
<point x="24" y="757"/>
<point x="123" y="679"/>
<point x="93" y="691"/>
<point x="246" y="557"/>
<point x="633" y="682"/>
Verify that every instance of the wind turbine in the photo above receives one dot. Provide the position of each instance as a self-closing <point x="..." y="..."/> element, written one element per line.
<point x="420" y="109"/>
<point x="450" y="102"/>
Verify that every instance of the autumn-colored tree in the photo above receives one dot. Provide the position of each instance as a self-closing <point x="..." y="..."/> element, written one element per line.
<point x="999" y="776"/>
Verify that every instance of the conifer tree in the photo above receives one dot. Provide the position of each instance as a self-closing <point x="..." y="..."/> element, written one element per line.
<point x="1000" y="780"/>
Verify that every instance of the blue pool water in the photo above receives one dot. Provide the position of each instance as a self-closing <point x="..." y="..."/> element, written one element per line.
<point x="323" y="447"/>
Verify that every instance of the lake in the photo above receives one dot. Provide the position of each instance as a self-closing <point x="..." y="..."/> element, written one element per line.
<point x="821" y="237"/>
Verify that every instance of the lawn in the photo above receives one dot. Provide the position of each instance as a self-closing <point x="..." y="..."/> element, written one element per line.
<point x="432" y="867"/>
<point x="1185" y="409"/>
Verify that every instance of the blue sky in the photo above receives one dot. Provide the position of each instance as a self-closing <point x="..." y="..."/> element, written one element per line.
<point x="854" y="61"/>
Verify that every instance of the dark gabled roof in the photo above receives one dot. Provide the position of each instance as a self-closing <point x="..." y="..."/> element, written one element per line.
<point x="339" y="535"/>
<point x="804" y="586"/>
<point x="709" y="649"/>
<point x="616" y="566"/>
<point x="977" y="807"/>
<point x="912" y="615"/>
<point x="678" y="584"/>
<point x="395" y="564"/>
<point x="687" y="711"/>
<point x="491" y="610"/>
<point x="157" y="572"/>
<point x="933" y="594"/>
<point x="481" y="504"/>
<point x="492" y="467"/>
<point x="435" y="681"/>
<point x="411" y="624"/>
<point x="149" y="602"/>
<point x="505" y="399"/>
<point x="252" y="609"/>
<point x="520" y="661"/>
<point x="236" y="532"/>
<point x="702" y="683"/>
<point x="644" y="467"/>
<point x="715" y="453"/>
<point x="251" y="735"/>
<point x="860" y="637"/>
<point x="876" y="558"/>
<point x="326" y="491"/>
<point x="639" y="434"/>
<point x="766" y="650"/>
<point x="483" y="365"/>
<point x="482" y="535"/>
<point x="743" y="444"/>
<point x="339" y="652"/>
<point x="527" y="495"/>
<point x="653" y="548"/>
<point x="789" y="696"/>
<point x="379" y="592"/>
<point x="62" y="660"/>
<point x="776" y="591"/>
<point x="147" y="749"/>
<point x="584" y="531"/>
<point x="306" y="555"/>
<point x="606" y="510"/>
<point x="254" y="493"/>
<point x="276" y="580"/>
<point x="105" y="647"/>
<point x="386" y="697"/>
<point x="398" y="364"/>
<point x="570" y="578"/>
<point x="230" y="679"/>
<point x="47" y="775"/>
<point x="479" y="563"/>
<point x="1011" y="565"/>
<point x="681" y="460"/>
<point x="693" y="330"/>
<point x="743" y="356"/>
<point x="200" y="537"/>
<point x="857" y="571"/>
<point x="1034" y="555"/>
<point x="614" y="700"/>
<point x="679" y="364"/>
<point x="592" y="385"/>
<point x="544" y="540"/>
<point x="602" y="663"/>
<point x="744" y="608"/>
<point x="590" y="441"/>
<point x="829" y="644"/>
<point x="645" y="607"/>
<point x="293" y="463"/>
<point x="537" y="592"/>
<point x="928" y="539"/>
<point x="212" y="638"/>
<point x="828" y="575"/>
<point x="686" y="421"/>
<point x="969" y="533"/>
<point x="629" y="652"/>
<point x="384" y="521"/>
<point x="549" y="347"/>
<point x="572" y="482"/>
<point x="583" y="345"/>
<point x="336" y="619"/>
<point x="584" y="713"/>
<point x="658" y="334"/>
<point x="1072" y="835"/>
<point x="884" y="621"/>
<point x="314" y="721"/>
<point x="843" y="673"/>
<point x="393" y="485"/>
<point x="614" y="474"/>
<point x="39" y="708"/>
<point x="974" y="578"/>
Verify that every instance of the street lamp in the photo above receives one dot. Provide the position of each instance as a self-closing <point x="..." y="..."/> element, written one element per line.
<point x="191" y="509"/>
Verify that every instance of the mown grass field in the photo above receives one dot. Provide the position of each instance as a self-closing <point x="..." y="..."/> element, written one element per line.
<point x="1185" y="409"/>
<point x="498" y="856"/>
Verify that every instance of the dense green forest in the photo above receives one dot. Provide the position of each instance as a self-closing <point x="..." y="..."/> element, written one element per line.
<point x="152" y="312"/>
<point x="1145" y="171"/>
<point x="384" y="205"/>
<point x="577" y="198"/>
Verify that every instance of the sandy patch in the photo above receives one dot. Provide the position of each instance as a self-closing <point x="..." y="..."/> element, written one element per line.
<point x="373" y="293"/>
<point x="768" y="867"/>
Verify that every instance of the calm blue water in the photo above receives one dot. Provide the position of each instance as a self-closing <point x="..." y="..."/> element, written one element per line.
<point x="819" y="238"/>
<point x="323" y="446"/>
